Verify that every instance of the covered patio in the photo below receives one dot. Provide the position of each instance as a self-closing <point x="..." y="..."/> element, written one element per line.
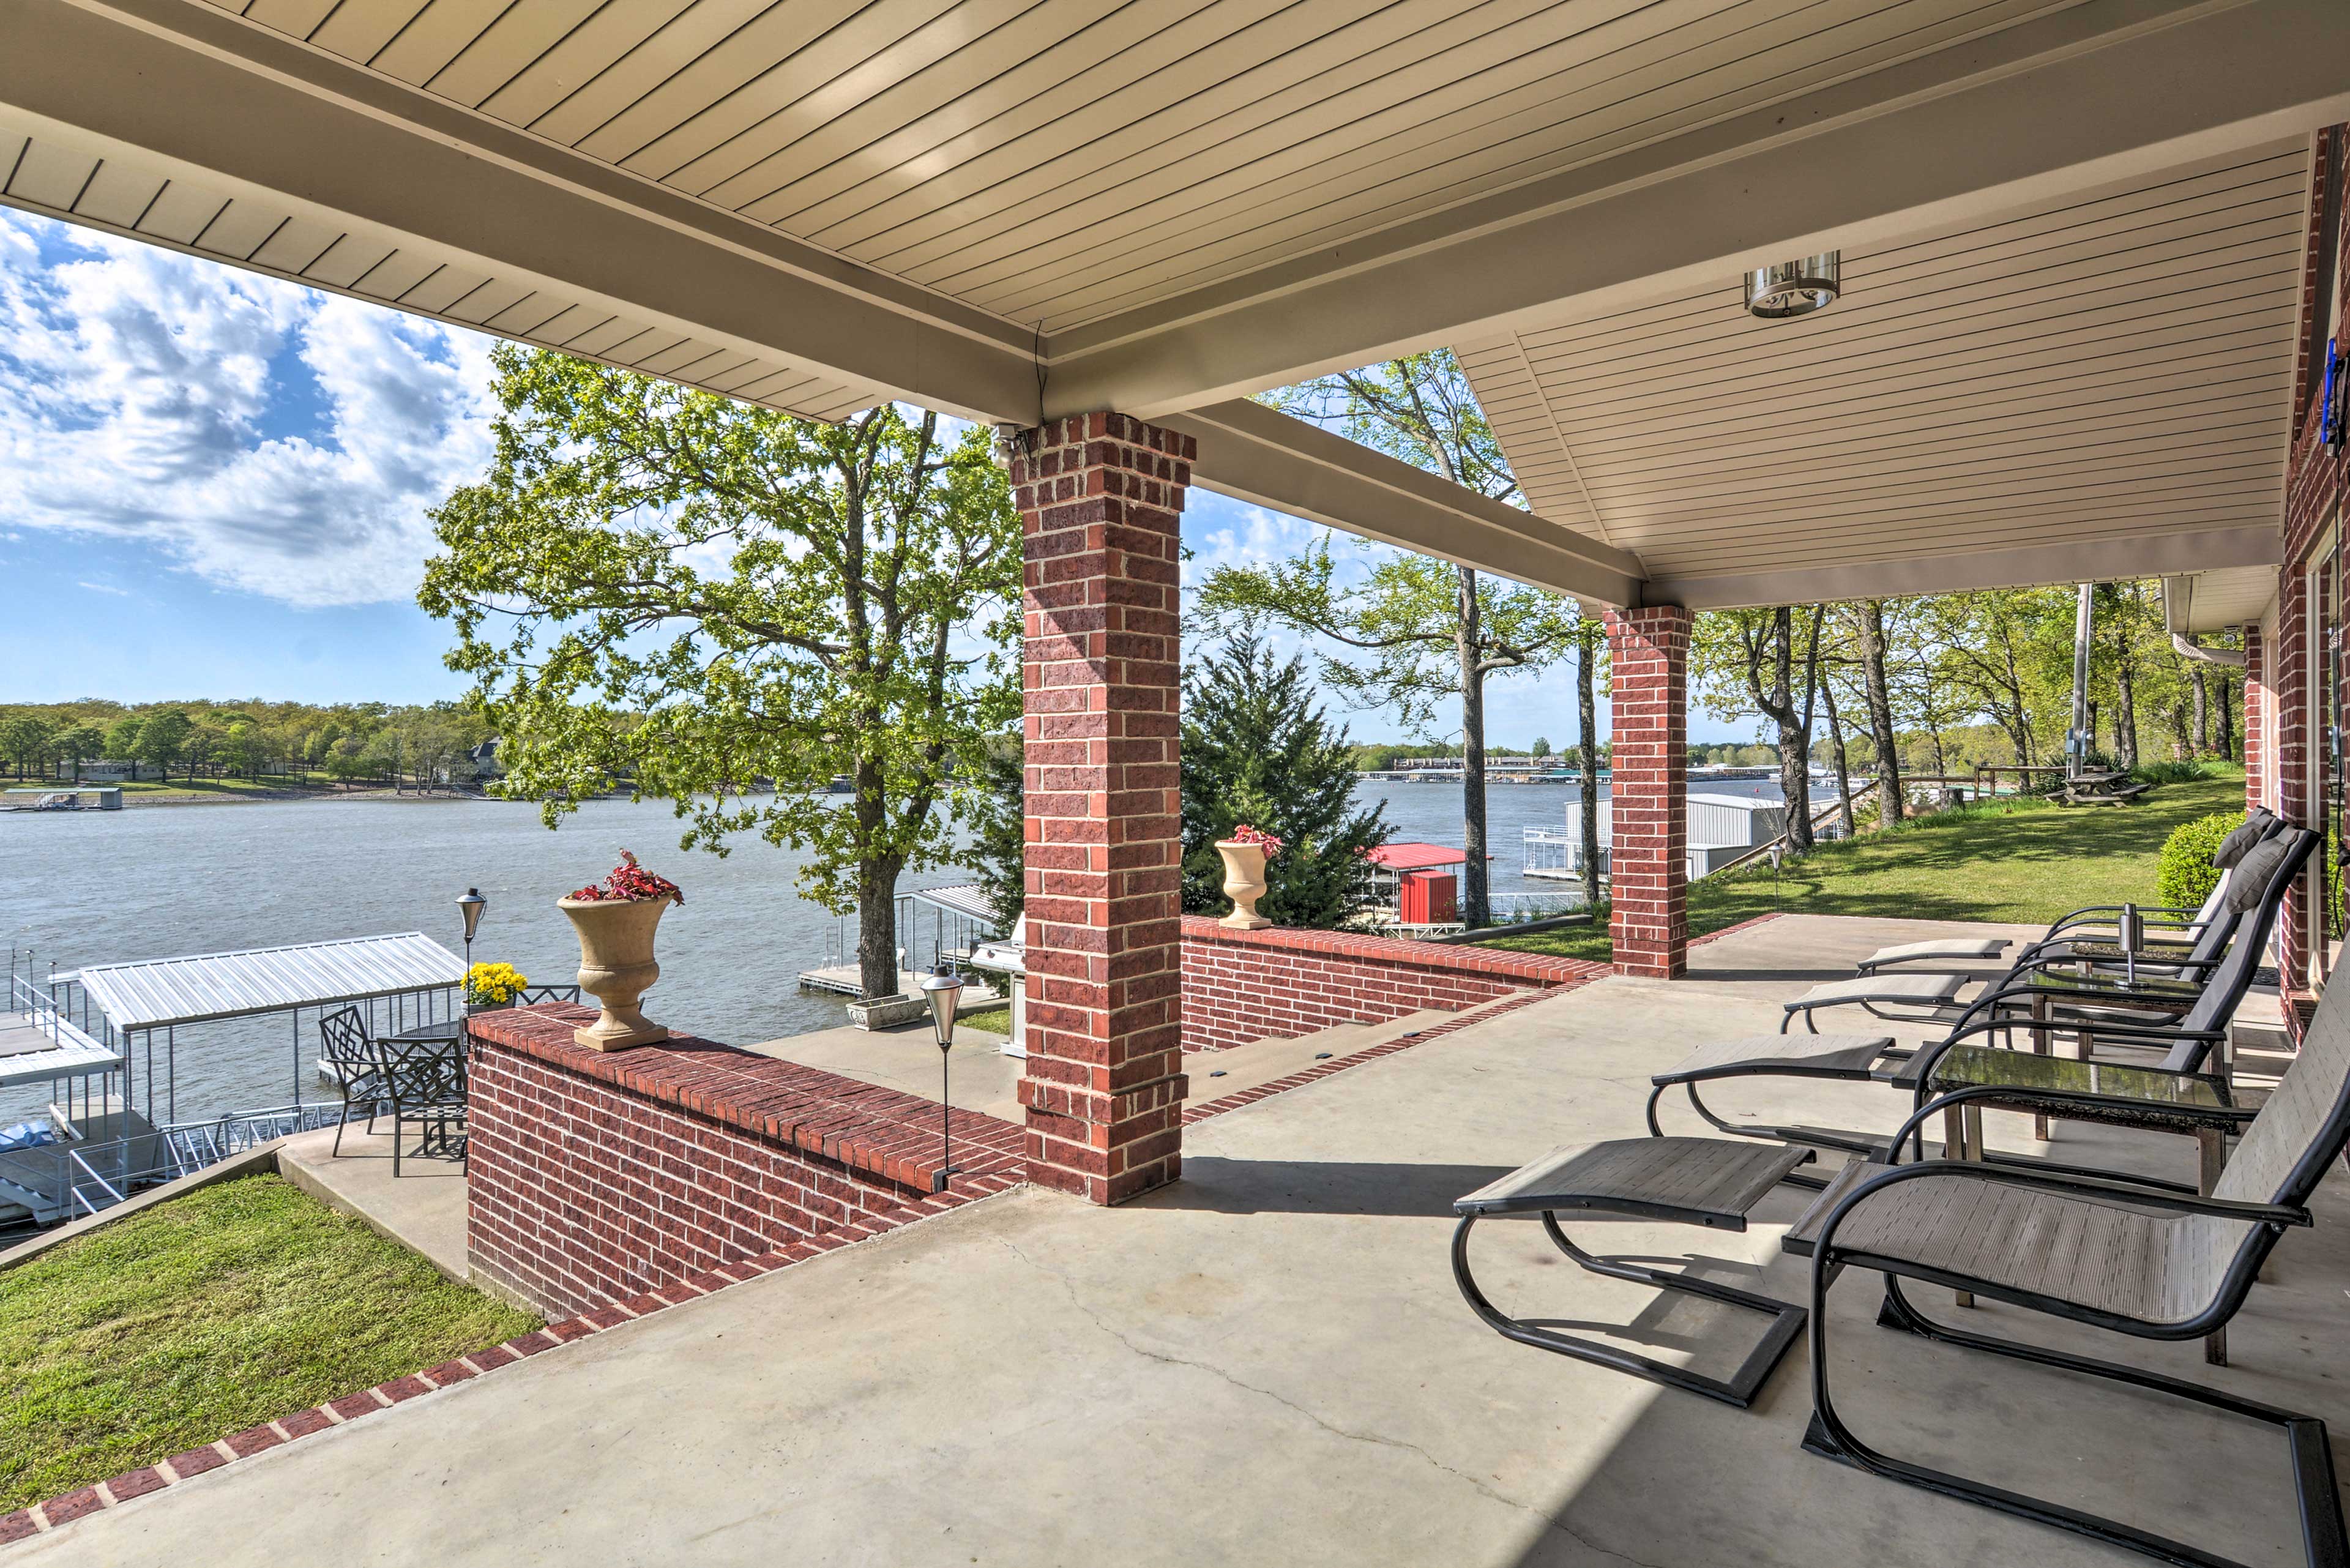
<point x="1268" y="1361"/>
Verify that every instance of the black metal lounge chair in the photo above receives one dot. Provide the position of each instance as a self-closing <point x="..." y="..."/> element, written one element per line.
<point x="1702" y="1181"/>
<point x="2109" y="1014"/>
<point x="2069" y="979"/>
<point x="2164" y="924"/>
<point x="2112" y="1252"/>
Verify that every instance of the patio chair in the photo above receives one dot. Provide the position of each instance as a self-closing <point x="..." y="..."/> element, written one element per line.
<point x="424" y="1087"/>
<point x="2188" y="1040"/>
<point x="2112" y="1252"/>
<point x="2164" y="923"/>
<point x="348" y="1051"/>
<point x="2259" y="881"/>
<point x="532" y="996"/>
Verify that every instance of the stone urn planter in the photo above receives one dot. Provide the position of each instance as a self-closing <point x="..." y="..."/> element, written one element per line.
<point x="1243" y="883"/>
<point x="617" y="967"/>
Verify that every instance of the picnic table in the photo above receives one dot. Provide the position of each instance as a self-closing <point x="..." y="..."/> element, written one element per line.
<point x="2100" y="789"/>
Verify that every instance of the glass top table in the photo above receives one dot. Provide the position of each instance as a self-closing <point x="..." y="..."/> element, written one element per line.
<point x="2131" y="1096"/>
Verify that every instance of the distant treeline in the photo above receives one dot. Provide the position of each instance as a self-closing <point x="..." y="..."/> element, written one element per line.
<point x="348" y="742"/>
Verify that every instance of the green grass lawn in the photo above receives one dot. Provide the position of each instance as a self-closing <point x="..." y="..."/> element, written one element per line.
<point x="994" y="1021"/>
<point x="233" y="1305"/>
<point x="2024" y="861"/>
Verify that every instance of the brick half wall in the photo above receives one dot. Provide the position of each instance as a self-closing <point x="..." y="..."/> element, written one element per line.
<point x="598" y="1177"/>
<point x="1242" y="986"/>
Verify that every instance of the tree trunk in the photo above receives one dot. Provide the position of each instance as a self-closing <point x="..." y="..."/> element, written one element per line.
<point x="1794" y="740"/>
<point x="1880" y="713"/>
<point x="1843" y="769"/>
<point x="2125" y="717"/>
<point x="877" y="892"/>
<point x="1476" y="901"/>
<point x="1587" y="755"/>
<point x="2202" y="709"/>
<point x="2226" y="705"/>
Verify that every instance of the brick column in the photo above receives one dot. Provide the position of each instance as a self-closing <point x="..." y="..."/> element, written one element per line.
<point x="2255" y="727"/>
<point x="1647" y="652"/>
<point x="1101" y="500"/>
<point x="2288" y="764"/>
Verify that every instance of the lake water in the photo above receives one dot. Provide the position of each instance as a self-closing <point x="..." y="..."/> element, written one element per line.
<point x="165" y="881"/>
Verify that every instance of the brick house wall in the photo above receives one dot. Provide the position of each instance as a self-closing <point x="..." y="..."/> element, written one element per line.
<point x="1242" y="986"/>
<point x="598" y="1177"/>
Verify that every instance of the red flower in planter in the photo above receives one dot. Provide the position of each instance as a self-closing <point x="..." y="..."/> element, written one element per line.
<point x="1245" y="834"/>
<point x="629" y="882"/>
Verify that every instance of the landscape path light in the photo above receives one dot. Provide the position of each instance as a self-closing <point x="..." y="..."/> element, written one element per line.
<point x="942" y="989"/>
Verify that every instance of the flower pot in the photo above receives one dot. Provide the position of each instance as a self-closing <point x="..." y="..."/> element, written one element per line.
<point x="1243" y="883"/>
<point x="617" y="967"/>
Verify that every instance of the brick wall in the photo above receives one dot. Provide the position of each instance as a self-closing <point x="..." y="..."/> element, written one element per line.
<point x="1648" y="652"/>
<point x="1101" y="500"/>
<point x="598" y="1177"/>
<point x="1240" y="986"/>
<point x="2256" y="720"/>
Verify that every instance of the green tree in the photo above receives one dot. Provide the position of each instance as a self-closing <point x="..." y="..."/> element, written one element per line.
<point x="123" y="744"/>
<point x="1541" y="747"/>
<point x="1766" y="661"/>
<point x="78" y="743"/>
<point x="163" y="739"/>
<point x="1256" y="750"/>
<point x="29" y="743"/>
<point x="996" y="812"/>
<point x="699" y="594"/>
<point x="1435" y="631"/>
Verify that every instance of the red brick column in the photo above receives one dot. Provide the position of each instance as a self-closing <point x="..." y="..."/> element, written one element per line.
<point x="1101" y="503"/>
<point x="2289" y="764"/>
<point x="2257" y="740"/>
<point x="1647" y="652"/>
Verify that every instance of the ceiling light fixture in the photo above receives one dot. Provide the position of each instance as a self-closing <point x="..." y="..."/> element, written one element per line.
<point x="1795" y="288"/>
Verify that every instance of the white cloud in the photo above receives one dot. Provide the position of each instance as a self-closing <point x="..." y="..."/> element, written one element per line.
<point x="148" y="395"/>
<point x="103" y="588"/>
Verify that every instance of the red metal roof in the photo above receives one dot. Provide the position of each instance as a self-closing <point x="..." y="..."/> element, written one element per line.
<point x="1412" y="857"/>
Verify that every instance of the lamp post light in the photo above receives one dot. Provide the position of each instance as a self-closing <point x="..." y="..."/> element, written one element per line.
<point x="942" y="989"/>
<point x="472" y="907"/>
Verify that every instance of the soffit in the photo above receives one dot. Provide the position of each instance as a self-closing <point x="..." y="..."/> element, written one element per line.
<point x="55" y="172"/>
<point x="2108" y="367"/>
<point x="2232" y="597"/>
<point x="1058" y="162"/>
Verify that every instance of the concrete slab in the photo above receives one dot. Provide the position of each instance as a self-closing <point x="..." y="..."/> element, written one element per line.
<point x="1269" y="1364"/>
<point x="981" y="1078"/>
<point x="423" y="1210"/>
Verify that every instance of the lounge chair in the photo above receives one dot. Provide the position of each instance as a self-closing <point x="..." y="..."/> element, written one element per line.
<point x="2111" y="1251"/>
<point x="2163" y="923"/>
<point x="2113" y="1014"/>
<point x="1922" y="997"/>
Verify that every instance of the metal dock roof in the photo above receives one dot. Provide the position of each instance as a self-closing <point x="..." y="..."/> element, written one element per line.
<point x="156" y="993"/>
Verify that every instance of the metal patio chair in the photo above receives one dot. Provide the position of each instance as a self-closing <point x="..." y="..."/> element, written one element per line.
<point x="348" y="1048"/>
<point x="2107" y="1015"/>
<point x="2165" y="925"/>
<point x="2114" y="1252"/>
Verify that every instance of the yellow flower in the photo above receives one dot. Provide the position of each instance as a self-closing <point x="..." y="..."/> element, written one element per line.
<point x="494" y="983"/>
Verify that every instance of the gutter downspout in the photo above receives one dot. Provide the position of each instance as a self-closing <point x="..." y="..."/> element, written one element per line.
<point x="2177" y="618"/>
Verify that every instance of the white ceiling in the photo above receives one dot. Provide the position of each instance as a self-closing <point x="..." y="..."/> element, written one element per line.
<point x="2113" y="365"/>
<point x="1057" y="162"/>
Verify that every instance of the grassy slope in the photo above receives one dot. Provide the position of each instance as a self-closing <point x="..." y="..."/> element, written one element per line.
<point x="229" y="1307"/>
<point x="2025" y="862"/>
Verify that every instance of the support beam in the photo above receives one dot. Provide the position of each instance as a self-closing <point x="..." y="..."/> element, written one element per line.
<point x="1260" y="455"/>
<point x="1648" y="857"/>
<point x="2085" y="561"/>
<point x="2092" y="93"/>
<point x="1101" y="503"/>
<point x="193" y="90"/>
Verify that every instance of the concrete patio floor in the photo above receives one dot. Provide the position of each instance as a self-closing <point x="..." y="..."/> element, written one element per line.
<point x="1269" y="1362"/>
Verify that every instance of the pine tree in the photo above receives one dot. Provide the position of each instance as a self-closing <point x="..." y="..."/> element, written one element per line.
<point x="1256" y="750"/>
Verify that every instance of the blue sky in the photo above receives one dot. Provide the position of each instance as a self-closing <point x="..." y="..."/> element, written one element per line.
<point x="215" y="484"/>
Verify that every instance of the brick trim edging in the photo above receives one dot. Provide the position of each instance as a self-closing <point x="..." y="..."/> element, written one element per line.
<point x="42" y="1516"/>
